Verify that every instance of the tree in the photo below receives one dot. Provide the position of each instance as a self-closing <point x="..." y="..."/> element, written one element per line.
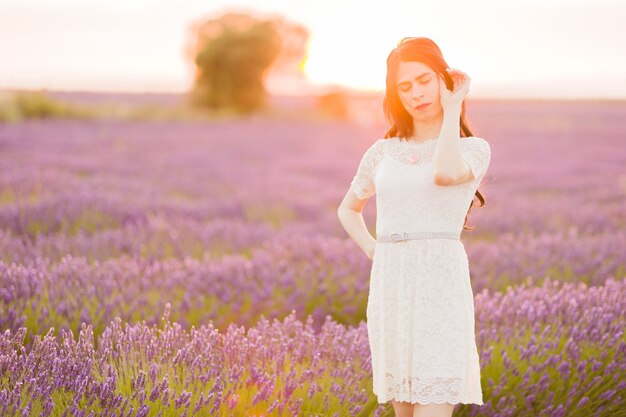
<point x="233" y="54"/>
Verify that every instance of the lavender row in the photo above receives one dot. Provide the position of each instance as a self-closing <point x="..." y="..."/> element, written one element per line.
<point x="554" y="350"/>
<point x="311" y="275"/>
<point x="295" y="270"/>
<point x="496" y="261"/>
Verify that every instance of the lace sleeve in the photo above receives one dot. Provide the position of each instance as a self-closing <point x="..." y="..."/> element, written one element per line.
<point x="363" y="184"/>
<point x="477" y="153"/>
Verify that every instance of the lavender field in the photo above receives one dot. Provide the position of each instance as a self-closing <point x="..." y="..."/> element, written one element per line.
<point x="181" y="268"/>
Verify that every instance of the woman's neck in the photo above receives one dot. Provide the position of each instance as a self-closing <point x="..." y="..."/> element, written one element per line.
<point x="424" y="130"/>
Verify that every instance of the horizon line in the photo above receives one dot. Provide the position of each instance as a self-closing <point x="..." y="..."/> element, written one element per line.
<point x="346" y="90"/>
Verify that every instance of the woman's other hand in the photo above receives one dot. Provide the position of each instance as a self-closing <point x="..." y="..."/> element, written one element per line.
<point x="370" y="250"/>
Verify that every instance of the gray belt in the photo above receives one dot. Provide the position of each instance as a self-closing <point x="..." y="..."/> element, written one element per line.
<point x="400" y="237"/>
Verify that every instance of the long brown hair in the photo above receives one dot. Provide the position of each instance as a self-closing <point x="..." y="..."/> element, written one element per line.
<point x="423" y="50"/>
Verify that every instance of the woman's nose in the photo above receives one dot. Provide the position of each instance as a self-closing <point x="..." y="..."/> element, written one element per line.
<point x="418" y="93"/>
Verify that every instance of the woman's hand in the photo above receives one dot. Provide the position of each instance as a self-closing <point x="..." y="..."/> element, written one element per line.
<point x="461" y="87"/>
<point x="370" y="250"/>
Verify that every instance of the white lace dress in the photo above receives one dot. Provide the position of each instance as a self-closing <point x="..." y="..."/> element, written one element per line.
<point x="420" y="308"/>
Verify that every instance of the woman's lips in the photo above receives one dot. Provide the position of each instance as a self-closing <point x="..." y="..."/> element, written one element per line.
<point x="422" y="107"/>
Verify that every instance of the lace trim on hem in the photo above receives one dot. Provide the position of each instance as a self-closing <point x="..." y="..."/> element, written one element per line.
<point x="436" y="390"/>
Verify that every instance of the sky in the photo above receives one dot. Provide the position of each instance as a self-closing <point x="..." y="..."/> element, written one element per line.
<point x="510" y="48"/>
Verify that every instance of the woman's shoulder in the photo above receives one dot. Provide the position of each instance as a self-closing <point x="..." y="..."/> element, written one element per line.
<point x="381" y="143"/>
<point x="373" y="154"/>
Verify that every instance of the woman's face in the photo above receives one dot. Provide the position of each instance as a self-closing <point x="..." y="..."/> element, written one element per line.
<point x="418" y="84"/>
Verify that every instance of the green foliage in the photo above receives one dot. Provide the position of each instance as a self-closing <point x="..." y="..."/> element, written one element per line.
<point x="233" y="55"/>
<point x="38" y="105"/>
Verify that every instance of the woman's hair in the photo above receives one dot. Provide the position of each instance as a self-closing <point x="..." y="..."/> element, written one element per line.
<point x="423" y="50"/>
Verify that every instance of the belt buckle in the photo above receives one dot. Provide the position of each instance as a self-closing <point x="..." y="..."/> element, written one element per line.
<point x="397" y="237"/>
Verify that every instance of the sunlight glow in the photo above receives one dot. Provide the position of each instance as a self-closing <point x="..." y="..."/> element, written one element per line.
<point x="513" y="49"/>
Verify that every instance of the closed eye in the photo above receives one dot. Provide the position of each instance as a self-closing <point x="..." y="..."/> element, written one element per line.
<point x="405" y="89"/>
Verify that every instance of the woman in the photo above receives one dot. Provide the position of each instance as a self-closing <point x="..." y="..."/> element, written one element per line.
<point x="425" y="173"/>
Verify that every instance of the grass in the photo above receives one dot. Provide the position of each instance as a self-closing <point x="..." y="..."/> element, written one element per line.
<point x="24" y="105"/>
